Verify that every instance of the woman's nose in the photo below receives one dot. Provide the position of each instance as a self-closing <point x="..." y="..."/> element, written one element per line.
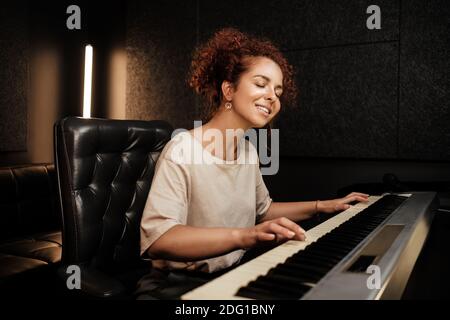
<point x="270" y="95"/>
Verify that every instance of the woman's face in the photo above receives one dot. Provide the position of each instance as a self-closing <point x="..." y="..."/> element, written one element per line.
<point x="257" y="96"/>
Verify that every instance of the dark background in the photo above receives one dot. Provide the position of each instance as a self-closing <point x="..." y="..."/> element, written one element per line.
<point x="371" y="101"/>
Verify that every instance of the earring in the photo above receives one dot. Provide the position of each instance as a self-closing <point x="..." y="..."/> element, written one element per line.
<point x="228" y="105"/>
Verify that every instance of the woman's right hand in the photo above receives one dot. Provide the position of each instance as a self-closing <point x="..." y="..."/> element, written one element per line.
<point x="276" y="230"/>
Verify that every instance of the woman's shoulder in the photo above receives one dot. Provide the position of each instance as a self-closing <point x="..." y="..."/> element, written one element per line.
<point x="179" y="148"/>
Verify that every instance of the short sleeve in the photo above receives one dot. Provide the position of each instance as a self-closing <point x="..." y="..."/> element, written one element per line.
<point x="263" y="199"/>
<point x="167" y="202"/>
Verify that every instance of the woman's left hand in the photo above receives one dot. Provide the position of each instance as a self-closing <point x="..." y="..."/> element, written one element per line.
<point x="335" y="205"/>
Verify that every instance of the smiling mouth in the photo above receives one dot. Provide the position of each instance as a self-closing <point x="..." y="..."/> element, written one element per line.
<point x="263" y="109"/>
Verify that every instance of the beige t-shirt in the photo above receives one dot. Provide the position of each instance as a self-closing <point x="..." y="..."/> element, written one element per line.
<point x="192" y="187"/>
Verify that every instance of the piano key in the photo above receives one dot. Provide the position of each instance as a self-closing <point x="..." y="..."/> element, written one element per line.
<point x="292" y="291"/>
<point x="306" y="267"/>
<point x="313" y="258"/>
<point x="289" y="280"/>
<point x="290" y="272"/>
<point x="257" y="293"/>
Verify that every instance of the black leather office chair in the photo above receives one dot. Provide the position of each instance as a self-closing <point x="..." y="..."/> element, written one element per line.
<point x="104" y="169"/>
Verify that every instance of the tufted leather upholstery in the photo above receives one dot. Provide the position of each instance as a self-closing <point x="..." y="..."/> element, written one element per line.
<point x="30" y="237"/>
<point x="104" y="169"/>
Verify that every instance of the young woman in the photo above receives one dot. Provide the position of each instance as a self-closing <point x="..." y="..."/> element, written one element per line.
<point x="201" y="216"/>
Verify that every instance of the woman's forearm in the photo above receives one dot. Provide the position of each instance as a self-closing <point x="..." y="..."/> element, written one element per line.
<point x="297" y="211"/>
<point x="294" y="211"/>
<point x="186" y="243"/>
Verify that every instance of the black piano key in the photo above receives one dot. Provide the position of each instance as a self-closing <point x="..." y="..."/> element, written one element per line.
<point x="308" y="261"/>
<point x="290" y="272"/>
<point x="358" y="232"/>
<point x="294" y="278"/>
<point x="315" y="255"/>
<point x="371" y="223"/>
<point x="348" y="234"/>
<point x="296" y="281"/>
<point x="330" y="247"/>
<point x="320" y="269"/>
<point x="312" y="260"/>
<point x="344" y="234"/>
<point x="278" y="291"/>
<point x="258" y="294"/>
<point x="359" y="229"/>
<point x="354" y="231"/>
<point x="354" y="226"/>
<point x="340" y="242"/>
<point x="293" y="291"/>
<point x="365" y="225"/>
<point x="345" y="238"/>
<point x="349" y="243"/>
<point x="333" y="253"/>
<point x="337" y="247"/>
<point x="301" y="269"/>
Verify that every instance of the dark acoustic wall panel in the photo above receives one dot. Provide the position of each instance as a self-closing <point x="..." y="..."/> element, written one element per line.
<point x="424" y="126"/>
<point x="347" y="104"/>
<point x="160" y="38"/>
<point x="346" y="74"/>
<point x="301" y="23"/>
<point x="14" y="45"/>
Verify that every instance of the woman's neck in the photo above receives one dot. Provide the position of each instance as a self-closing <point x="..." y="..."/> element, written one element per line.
<point x="226" y="126"/>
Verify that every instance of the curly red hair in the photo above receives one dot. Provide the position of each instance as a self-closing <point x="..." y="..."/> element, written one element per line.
<point x="222" y="58"/>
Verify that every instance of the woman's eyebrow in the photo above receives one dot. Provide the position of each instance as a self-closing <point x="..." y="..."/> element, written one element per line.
<point x="267" y="79"/>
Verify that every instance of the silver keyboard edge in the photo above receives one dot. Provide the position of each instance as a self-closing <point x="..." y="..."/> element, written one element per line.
<point x="333" y="285"/>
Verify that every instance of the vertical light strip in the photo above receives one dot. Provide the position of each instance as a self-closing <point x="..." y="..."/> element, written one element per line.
<point x="87" y="81"/>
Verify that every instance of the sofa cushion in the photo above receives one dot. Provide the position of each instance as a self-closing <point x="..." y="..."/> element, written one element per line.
<point x="45" y="247"/>
<point x="13" y="265"/>
<point x="27" y="201"/>
<point x="30" y="236"/>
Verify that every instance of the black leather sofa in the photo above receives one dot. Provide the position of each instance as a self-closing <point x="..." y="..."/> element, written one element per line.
<point x="30" y="230"/>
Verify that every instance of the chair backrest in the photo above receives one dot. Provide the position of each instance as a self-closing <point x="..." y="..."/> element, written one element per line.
<point x="104" y="170"/>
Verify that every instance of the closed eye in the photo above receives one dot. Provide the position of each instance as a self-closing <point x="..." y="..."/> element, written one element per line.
<point x="278" y="92"/>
